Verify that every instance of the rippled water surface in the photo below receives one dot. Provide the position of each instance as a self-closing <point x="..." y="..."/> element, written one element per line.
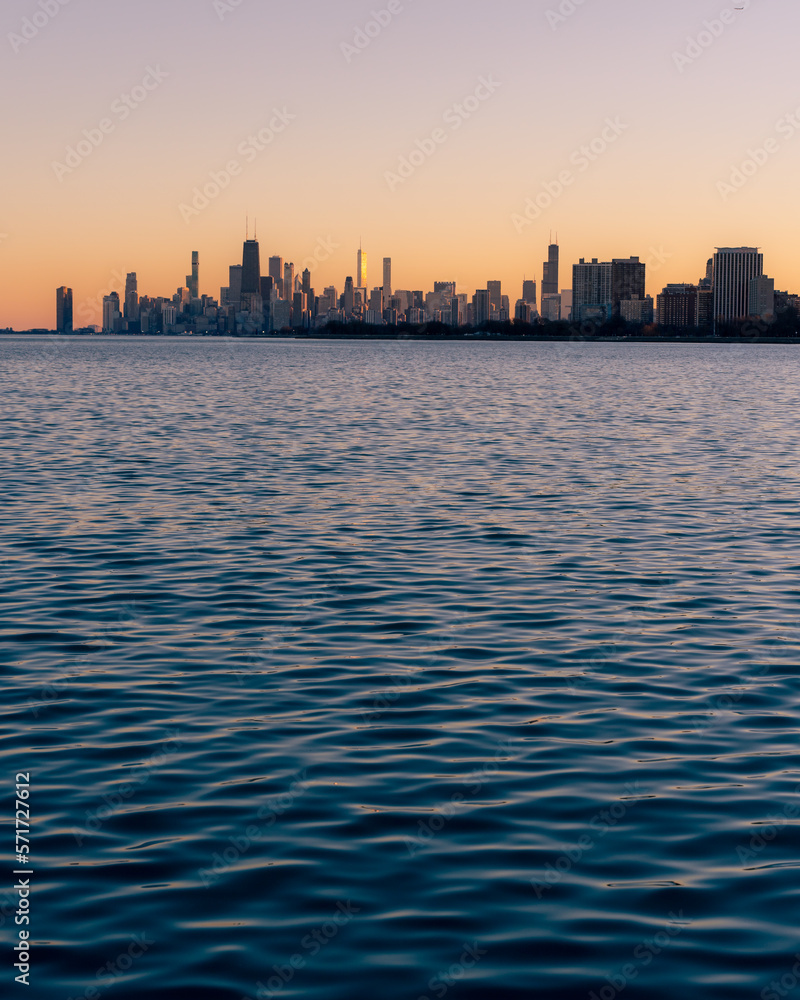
<point x="400" y="670"/>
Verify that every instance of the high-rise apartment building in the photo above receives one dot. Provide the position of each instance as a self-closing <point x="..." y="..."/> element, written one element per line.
<point x="734" y="269"/>
<point x="387" y="278"/>
<point x="762" y="297"/>
<point x="64" y="310"/>
<point x="591" y="290"/>
<point x="627" y="280"/>
<point x="551" y="307"/>
<point x="550" y="271"/>
<point x="111" y="313"/>
<point x="482" y="306"/>
<point x="678" y="306"/>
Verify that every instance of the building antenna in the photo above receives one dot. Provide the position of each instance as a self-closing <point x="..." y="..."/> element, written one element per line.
<point x="255" y="234"/>
<point x="247" y="227"/>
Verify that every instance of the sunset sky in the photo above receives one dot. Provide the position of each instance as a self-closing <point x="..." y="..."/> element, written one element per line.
<point x="218" y="74"/>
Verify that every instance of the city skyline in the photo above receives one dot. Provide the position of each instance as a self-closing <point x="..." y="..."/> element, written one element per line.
<point x="441" y="166"/>
<point x="733" y="289"/>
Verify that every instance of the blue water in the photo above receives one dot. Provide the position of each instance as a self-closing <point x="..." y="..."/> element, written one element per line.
<point x="398" y="670"/>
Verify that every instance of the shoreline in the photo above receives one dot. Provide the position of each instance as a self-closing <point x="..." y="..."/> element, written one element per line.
<point x="424" y="337"/>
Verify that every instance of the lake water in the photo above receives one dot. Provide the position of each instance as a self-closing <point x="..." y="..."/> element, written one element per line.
<point x="399" y="669"/>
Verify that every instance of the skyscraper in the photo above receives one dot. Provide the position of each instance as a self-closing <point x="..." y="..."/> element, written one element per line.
<point x="550" y="271"/>
<point x="591" y="290"/>
<point x="762" y="297"/>
<point x="111" y="314"/>
<point x="64" y="310"/>
<point x="349" y="297"/>
<point x="734" y="268"/>
<point x="627" y="280"/>
<point x="193" y="279"/>
<point x="276" y="273"/>
<point x="362" y="269"/>
<point x="251" y="268"/>
<point x="235" y="286"/>
<point x="482" y="306"/>
<point x="131" y="308"/>
<point x="529" y="292"/>
<point x="677" y="306"/>
<point x="495" y="289"/>
<point x="387" y="278"/>
<point x="288" y="281"/>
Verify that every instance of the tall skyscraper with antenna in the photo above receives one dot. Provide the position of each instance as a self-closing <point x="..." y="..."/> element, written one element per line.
<point x="251" y="265"/>
<point x="362" y="268"/>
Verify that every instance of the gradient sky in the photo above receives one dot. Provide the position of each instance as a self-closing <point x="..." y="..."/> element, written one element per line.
<point x="652" y="193"/>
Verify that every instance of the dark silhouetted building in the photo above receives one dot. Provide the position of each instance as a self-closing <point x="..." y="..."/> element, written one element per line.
<point x="193" y="279"/>
<point x="251" y="268"/>
<point x="276" y="273"/>
<point x="529" y="292"/>
<point x="627" y="281"/>
<point x="64" y="310"/>
<point x="678" y="306"/>
<point x="131" y="307"/>
<point x="550" y="271"/>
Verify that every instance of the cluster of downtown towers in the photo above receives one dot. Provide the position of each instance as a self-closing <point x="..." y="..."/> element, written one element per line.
<point x="733" y="289"/>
